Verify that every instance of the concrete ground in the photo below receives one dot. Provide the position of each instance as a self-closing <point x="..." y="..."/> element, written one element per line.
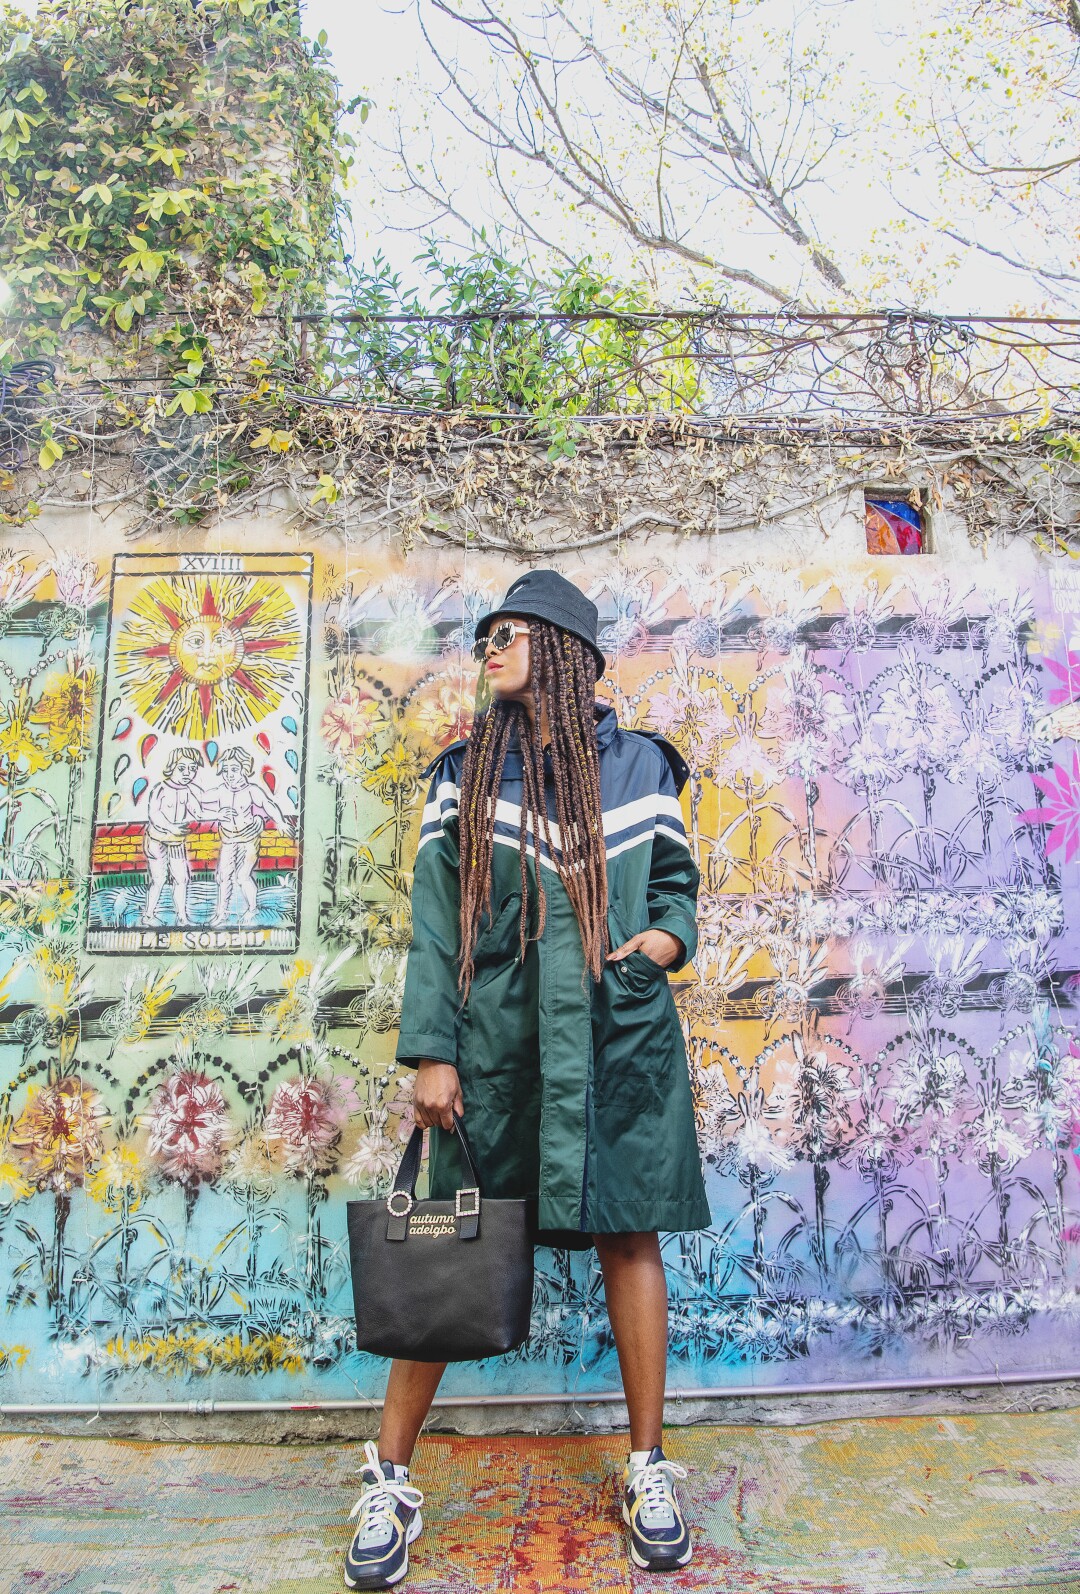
<point x="880" y="1505"/>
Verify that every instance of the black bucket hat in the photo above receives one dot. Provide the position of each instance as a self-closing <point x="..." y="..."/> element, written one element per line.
<point x="545" y="595"/>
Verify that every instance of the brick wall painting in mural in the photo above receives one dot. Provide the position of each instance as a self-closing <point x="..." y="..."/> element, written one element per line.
<point x="196" y="1060"/>
<point x="196" y="838"/>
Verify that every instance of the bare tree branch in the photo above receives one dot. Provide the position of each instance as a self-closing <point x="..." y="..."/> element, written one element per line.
<point x="702" y="154"/>
<point x="997" y="254"/>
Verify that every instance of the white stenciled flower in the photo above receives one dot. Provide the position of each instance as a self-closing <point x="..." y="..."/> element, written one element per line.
<point x="975" y="757"/>
<point x="939" y="917"/>
<point x="997" y="1139"/>
<point x="867" y="762"/>
<point x="869" y="607"/>
<point x="1039" y="914"/>
<point x="927" y="1082"/>
<point x="879" y="1147"/>
<point x="875" y="971"/>
<point x="745" y="761"/>
<point x="789" y="604"/>
<point x="938" y="609"/>
<point x="1009" y="608"/>
<point x="639" y="608"/>
<point x="17" y="581"/>
<point x="956" y="965"/>
<point x="690" y="714"/>
<point x="1014" y="708"/>
<point x="78" y="585"/>
<point x="756" y="1147"/>
<point x="413" y="616"/>
<point x="918" y="717"/>
<point x="810" y="719"/>
<point x="373" y="1159"/>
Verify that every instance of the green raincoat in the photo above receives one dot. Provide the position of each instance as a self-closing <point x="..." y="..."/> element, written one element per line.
<point x="575" y="1092"/>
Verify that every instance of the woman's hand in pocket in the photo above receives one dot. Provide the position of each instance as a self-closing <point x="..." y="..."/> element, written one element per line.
<point x="437" y="1096"/>
<point x="659" y="946"/>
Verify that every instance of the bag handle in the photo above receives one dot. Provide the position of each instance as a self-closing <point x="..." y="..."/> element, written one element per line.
<point x="399" y="1203"/>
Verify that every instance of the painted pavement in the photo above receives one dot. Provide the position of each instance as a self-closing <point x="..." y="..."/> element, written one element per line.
<point x="881" y="1506"/>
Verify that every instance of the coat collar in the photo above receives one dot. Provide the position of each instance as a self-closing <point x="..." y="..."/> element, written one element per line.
<point x="607" y="723"/>
<point x="607" y="728"/>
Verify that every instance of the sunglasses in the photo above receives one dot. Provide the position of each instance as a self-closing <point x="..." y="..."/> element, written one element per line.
<point x="499" y="638"/>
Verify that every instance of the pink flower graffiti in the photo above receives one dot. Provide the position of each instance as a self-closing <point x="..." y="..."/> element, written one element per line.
<point x="189" y="1128"/>
<point x="1061" y="810"/>
<point x="1069" y="676"/>
<point x="304" y="1121"/>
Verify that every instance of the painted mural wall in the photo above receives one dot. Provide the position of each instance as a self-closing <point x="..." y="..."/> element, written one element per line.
<point x="210" y="784"/>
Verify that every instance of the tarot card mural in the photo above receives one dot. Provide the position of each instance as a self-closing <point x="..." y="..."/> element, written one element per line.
<point x="197" y="815"/>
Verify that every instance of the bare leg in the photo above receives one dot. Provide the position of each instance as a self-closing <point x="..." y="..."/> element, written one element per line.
<point x="410" y="1390"/>
<point x="636" y="1291"/>
<point x="157" y="868"/>
<point x="245" y="879"/>
<point x="179" y="875"/>
<point x="228" y="859"/>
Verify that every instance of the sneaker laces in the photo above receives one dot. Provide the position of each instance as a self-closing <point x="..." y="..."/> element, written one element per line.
<point x="653" y="1483"/>
<point x="375" y="1506"/>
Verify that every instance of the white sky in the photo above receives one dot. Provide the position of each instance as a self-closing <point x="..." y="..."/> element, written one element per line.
<point x="377" y="48"/>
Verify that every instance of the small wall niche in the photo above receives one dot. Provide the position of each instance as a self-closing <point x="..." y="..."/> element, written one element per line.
<point x="895" y="523"/>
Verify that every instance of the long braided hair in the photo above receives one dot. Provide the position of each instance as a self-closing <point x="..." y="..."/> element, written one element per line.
<point x="562" y="672"/>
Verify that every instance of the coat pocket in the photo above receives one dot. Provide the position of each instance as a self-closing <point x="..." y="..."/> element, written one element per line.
<point x="640" y="973"/>
<point x="495" y="944"/>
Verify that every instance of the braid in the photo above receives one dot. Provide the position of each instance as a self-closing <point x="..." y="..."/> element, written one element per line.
<point x="563" y="682"/>
<point x="481" y="773"/>
<point x="568" y="671"/>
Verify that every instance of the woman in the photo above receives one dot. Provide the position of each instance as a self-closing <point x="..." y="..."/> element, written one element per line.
<point x="554" y="889"/>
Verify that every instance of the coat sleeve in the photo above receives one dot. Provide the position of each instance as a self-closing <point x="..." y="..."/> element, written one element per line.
<point x="429" y="1024"/>
<point x="673" y="875"/>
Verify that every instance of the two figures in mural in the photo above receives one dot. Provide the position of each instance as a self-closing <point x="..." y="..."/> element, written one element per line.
<point x="205" y="647"/>
<point x="241" y="808"/>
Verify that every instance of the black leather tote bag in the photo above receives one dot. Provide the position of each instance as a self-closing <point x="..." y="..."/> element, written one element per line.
<point x="440" y="1281"/>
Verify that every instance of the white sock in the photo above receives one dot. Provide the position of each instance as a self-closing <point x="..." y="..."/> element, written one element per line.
<point x="400" y="1473"/>
<point x="638" y="1458"/>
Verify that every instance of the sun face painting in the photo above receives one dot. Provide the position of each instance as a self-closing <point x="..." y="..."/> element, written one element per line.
<point x="206" y="655"/>
<point x="199" y="803"/>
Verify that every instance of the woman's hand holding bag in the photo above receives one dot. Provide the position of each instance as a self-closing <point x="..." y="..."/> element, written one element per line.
<point x="437" y="1096"/>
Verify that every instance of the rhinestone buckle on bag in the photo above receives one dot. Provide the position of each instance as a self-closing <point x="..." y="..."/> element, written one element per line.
<point x="473" y="1209"/>
<point x="399" y="1195"/>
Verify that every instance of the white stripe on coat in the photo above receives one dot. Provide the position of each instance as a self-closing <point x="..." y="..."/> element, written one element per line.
<point x="662" y="809"/>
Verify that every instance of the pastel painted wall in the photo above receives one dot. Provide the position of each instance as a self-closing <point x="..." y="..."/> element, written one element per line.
<point x="210" y="761"/>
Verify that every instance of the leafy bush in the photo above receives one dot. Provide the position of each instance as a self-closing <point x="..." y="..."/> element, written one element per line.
<point x="169" y="171"/>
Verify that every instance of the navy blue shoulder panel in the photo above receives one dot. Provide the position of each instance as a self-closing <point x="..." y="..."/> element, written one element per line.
<point x="680" y="769"/>
<point x="444" y="752"/>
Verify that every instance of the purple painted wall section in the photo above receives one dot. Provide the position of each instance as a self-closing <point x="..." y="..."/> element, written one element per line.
<point x="881" y="1020"/>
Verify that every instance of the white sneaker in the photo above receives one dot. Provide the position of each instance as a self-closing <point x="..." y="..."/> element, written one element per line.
<point x="659" y="1537"/>
<point x="389" y="1521"/>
